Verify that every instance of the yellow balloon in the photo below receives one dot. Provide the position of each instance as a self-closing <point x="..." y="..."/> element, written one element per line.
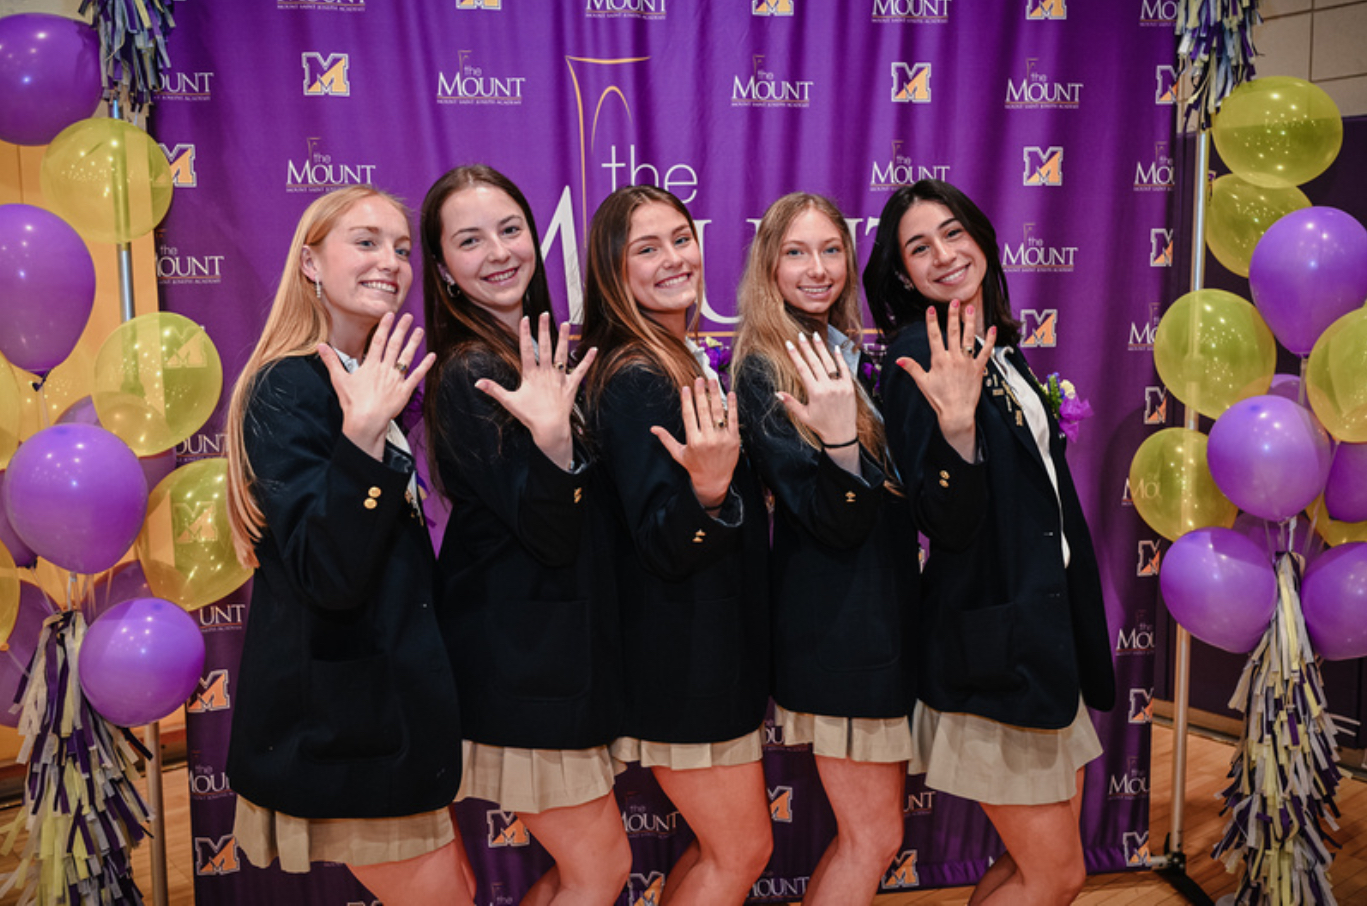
<point x="9" y="594"/>
<point x="1238" y="215"/>
<point x="1336" y="378"/>
<point x="1333" y="531"/>
<point x="11" y="407"/>
<point x="1278" y="131"/>
<point x="1213" y="349"/>
<point x="64" y="385"/>
<point x="186" y="547"/>
<point x="157" y="380"/>
<point x="107" y="178"/>
<point x="1171" y="485"/>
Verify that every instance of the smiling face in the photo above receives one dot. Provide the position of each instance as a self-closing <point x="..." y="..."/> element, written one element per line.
<point x="363" y="265"/>
<point x="810" y="274"/>
<point x="663" y="265"/>
<point x="488" y="250"/>
<point x="941" y="258"/>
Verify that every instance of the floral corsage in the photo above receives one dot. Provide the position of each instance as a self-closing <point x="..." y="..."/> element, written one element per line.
<point x="719" y="357"/>
<point x="1068" y="408"/>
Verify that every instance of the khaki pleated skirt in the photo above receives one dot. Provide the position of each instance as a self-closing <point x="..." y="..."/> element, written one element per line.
<point x="853" y="738"/>
<point x="265" y="835"/>
<point x="1000" y="764"/>
<point x="690" y="756"/>
<point x="534" y="780"/>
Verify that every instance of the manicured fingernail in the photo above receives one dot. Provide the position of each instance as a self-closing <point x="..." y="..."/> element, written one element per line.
<point x="789" y="344"/>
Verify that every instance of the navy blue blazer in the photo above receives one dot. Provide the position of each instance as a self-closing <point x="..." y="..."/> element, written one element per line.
<point x="1006" y="631"/>
<point x="526" y="579"/>
<point x="693" y="590"/>
<point x="344" y="703"/>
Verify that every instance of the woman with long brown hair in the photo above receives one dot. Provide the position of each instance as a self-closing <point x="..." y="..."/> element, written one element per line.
<point x="691" y="545"/>
<point x="345" y="743"/>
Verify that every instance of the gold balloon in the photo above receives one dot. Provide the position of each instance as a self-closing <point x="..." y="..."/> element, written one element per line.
<point x="107" y="178"/>
<point x="1333" y="531"/>
<point x="186" y="547"/>
<point x="9" y="594"/>
<point x="1336" y="378"/>
<point x="157" y="380"/>
<point x="64" y="385"/>
<point x="11" y="406"/>
<point x="1278" y="131"/>
<point x="1171" y="485"/>
<point x="1239" y="214"/>
<point x="1213" y="349"/>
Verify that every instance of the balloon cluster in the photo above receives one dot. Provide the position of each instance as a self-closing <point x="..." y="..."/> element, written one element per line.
<point x="75" y="493"/>
<point x="1280" y="446"/>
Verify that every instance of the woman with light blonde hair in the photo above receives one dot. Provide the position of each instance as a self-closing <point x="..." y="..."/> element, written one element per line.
<point x="345" y="742"/>
<point x="691" y="543"/>
<point x="843" y="565"/>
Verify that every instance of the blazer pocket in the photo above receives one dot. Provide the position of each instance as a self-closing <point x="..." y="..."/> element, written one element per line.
<point x="353" y="710"/>
<point x="984" y="646"/>
<point x="550" y="655"/>
<point x="863" y="633"/>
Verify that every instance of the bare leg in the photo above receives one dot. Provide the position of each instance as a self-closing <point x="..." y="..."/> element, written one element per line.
<point x="728" y="810"/>
<point x="592" y="857"/>
<point x="1002" y="869"/>
<point x="867" y="801"/>
<point x="1044" y="846"/>
<point x="436" y="877"/>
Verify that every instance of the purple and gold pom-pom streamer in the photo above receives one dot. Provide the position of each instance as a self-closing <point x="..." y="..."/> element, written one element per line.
<point x="81" y="808"/>
<point x="1285" y="769"/>
<point x="1215" y="48"/>
<point x="133" y="38"/>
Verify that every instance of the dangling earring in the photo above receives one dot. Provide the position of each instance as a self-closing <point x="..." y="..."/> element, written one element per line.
<point x="904" y="280"/>
<point x="318" y="288"/>
<point x="452" y="290"/>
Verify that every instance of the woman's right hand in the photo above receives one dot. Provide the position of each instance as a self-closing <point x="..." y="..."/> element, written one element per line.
<point x="711" y="446"/>
<point x="544" y="398"/>
<point x="376" y="392"/>
<point x="832" y="408"/>
<point x="954" y="382"/>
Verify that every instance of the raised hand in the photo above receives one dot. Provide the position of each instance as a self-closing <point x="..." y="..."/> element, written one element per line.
<point x="544" y="400"/>
<point x="832" y="408"/>
<point x="379" y="388"/>
<point x="711" y="446"/>
<point x="954" y="383"/>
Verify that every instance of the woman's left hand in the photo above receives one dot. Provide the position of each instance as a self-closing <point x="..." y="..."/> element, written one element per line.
<point x="711" y="446"/>
<point x="544" y="399"/>
<point x="379" y="388"/>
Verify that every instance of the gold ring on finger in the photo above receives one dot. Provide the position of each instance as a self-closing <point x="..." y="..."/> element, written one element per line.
<point x="833" y="375"/>
<point x="560" y="366"/>
<point x="401" y="368"/>
<point x="721" y="424"/>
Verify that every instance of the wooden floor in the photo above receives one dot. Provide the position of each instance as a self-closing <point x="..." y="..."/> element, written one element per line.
<point x="1208" y="761"/>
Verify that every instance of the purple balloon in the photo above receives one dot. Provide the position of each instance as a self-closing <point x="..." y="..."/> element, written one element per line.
<point x="49" y="76"/>
<point x="1221" y="587"/>
<point x="47" y="286"/>
<point x="1345" y="493"/>
<point x="1308" y="270"/>
<point x="1269" y="455"/>
<point x="76" y="495"/>
<point x="1272" y="537"/>
<point x="122" y="583"/>
<point x="141" y="660"/>
<point x="81" y="412"/>
<point x="1334" y="601"/>
<point x="16" y="659"/>
<point x="1288" y="387"/>
<point x="23" y="554"/>
<point x="154" y="467"/>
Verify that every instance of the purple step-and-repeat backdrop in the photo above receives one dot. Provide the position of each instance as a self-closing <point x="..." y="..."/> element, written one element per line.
<point x="1056" y="116"/>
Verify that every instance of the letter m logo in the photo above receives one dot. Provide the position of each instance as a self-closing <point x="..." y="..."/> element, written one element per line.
<point x="479" y="4"/>
<point x="1166" y="92"/>
<point x="216" y="857"/>
<point x="196" y="522"/>
<point x="212" y="694"/>
<point x="1043" y="166"/>
<point x="1141" y="706"/>
<point x="652" y="888"/>
<point x="1149" y="558"/>
<point x="902" y="875"/>
<point x="1136" y="848"/>
<point x="182" y="161"/>
<point x="1046" y="9"/>
<point x="1039" y="327"/>
<point x="911" y="84"/>
<point x="326" y="75"/>
<point x="773" y="7"/>
<point x="506" y="829"/>
<point x="781" y="804"/>
<point x="1160" y="247"/>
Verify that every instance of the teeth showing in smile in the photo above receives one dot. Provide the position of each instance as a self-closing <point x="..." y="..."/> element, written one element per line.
<point x="502" y="276"/>
<point x="816" y="290"/>
<point x="953" y="276"/>
<point x="383" y="287"/>
<point x="673" y="281"/>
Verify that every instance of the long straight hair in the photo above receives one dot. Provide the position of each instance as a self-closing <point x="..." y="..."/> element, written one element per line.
<point x="768" y="321"/>
<point x="613" y="321"/>
<point x="895" y="302"/>
<point x="297" y="323"/>
<point x="456" y="326"/>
